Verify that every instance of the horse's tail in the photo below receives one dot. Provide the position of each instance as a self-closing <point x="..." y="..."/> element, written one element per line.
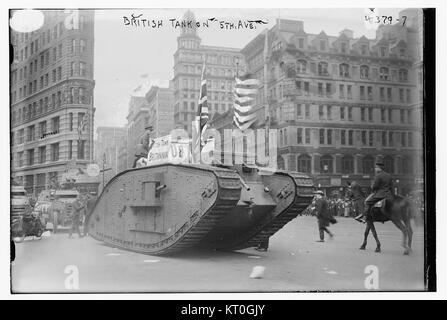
<point x="410" y="211"/>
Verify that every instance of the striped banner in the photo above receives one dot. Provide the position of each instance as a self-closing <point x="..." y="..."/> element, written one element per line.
<point x="201" y="119"/>
<point x="245" y="93"/>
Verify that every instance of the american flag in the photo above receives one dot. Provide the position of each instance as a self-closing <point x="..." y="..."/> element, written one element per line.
<point x="245" y="93"/>
<point x="201" y="119"/>
<point x="82" y="125"/>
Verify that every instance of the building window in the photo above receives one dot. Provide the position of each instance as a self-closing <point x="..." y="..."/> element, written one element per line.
<point x="384" y="73"/>
<point x="307" y="135"/>
<point x="390" y="139"/>
<point x="31" y="157"/>
<point x="370" y="93"/>
<point x="72" y="68"/>
<point x="329" y="112"/>
<point x="323" y="45"/>
<point x="351" y="137"/>
<point x="320" y="89"/>
<point x="347" y="165"/>
<point x="81" y="149"/>
<point x="344" y="70"/>
<point x="55" y="152"/>
<point x="323" y="69"/>
<point x="307" y="111"/>
<point x="349" y="88"/>
<point x="306" y="88"/>
<point x="341" y="91"/>
<point x="299" y="136"/>
<point x="410" y="139"/>
<point x="368" y="165"/>
<point x="82" y="69"/>
<point x="55" y="124"/>
<point x="301" y="66"/>
<point x="401" y="95"/>
<point x="320" y="112"/>
<point x="388" y="161"/>
<point x="350" y="113"/>
<point x="403" y="139"/>
<point x="364" y="138"/>
<point x="390" y="94"/>
<point x="326" y="164"/>
<point x="382" y="94"/>
<point x="364" y="72"/>
<point x="371" y="138"/>
<point x="362" y="92"/>
<point x="403" y="75"/>
<point x="383" y="51"/>
<point x="407" y="165"/>
<point x="343" y="137"/>
<point x="329" y="136"/>
<point x="321" y="136"/>
<point x="384" y="140"/>
<point x="390" y="115"/>
<point x="382" y="115"/>
<point x="42" y="154"/>
<point x="82" y="45"/>
<point x="342" y="113"/>
<point x="304" y="163"/>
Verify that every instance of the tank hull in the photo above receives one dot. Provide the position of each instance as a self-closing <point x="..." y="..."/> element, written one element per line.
<point x="169" y="208"/>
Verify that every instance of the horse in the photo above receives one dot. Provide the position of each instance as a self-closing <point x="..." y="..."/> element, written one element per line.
<point x="399" y="211"/>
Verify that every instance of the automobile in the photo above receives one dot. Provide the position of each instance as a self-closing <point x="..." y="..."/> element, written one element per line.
<point x="56" y="207"/>
<point x="20" y="203"/>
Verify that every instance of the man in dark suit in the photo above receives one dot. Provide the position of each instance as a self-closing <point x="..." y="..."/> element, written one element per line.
<point x="323" y="215"/>
<point x="76" y="215"/>
<point x="382" y="188"/>
<point x="144" y="146"/>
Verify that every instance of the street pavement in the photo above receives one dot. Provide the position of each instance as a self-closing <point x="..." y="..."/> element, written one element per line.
<point x="294" y="262"/>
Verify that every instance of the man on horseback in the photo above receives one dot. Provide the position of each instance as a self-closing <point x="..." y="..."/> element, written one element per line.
<point x="382" y="188"/>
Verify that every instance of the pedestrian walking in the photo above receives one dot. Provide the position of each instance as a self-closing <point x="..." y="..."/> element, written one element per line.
<point x="323" y="215"/>
<point x="76" y="216"/>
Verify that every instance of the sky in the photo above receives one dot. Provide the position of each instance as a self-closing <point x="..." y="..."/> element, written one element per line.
<point x="127" y="57"/>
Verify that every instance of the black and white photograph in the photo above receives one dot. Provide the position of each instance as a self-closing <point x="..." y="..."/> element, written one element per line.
<point x="218" y="150"/>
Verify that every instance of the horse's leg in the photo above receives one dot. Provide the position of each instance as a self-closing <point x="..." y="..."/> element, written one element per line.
<point x="407" y="223"/>
<point x="373" y="230"/>
<point x="403" y="229"/>
<point x="365" y="239"/>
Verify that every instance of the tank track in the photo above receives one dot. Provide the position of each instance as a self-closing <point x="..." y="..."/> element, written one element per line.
<point x="192" y="231"/>
<point x="303" y="198"/>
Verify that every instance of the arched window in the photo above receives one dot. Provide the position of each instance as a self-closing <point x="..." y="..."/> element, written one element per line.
<point x="384" y="73"/>
<point x="368" y="165"/>
<point x="347" y="164"/>
<point x="344" y="70"/>
<point x="364" y="72"/>
<point x="280" y="163"/>
<point x="322" y="69"/>
<point x="304" y="163"/>
<point x="301" y="66"/>
<point x="389" y="164"/>
<point x="326" y="164"/>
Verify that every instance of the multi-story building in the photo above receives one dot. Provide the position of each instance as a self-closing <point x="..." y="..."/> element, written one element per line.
<point x="137" y="121"/>
<point x="51" y="93"/>
<point x="339" y="103"/>
<point x="108" y="145"/>
<point x="221" y="66"/>
<point x="160" y="110"/>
